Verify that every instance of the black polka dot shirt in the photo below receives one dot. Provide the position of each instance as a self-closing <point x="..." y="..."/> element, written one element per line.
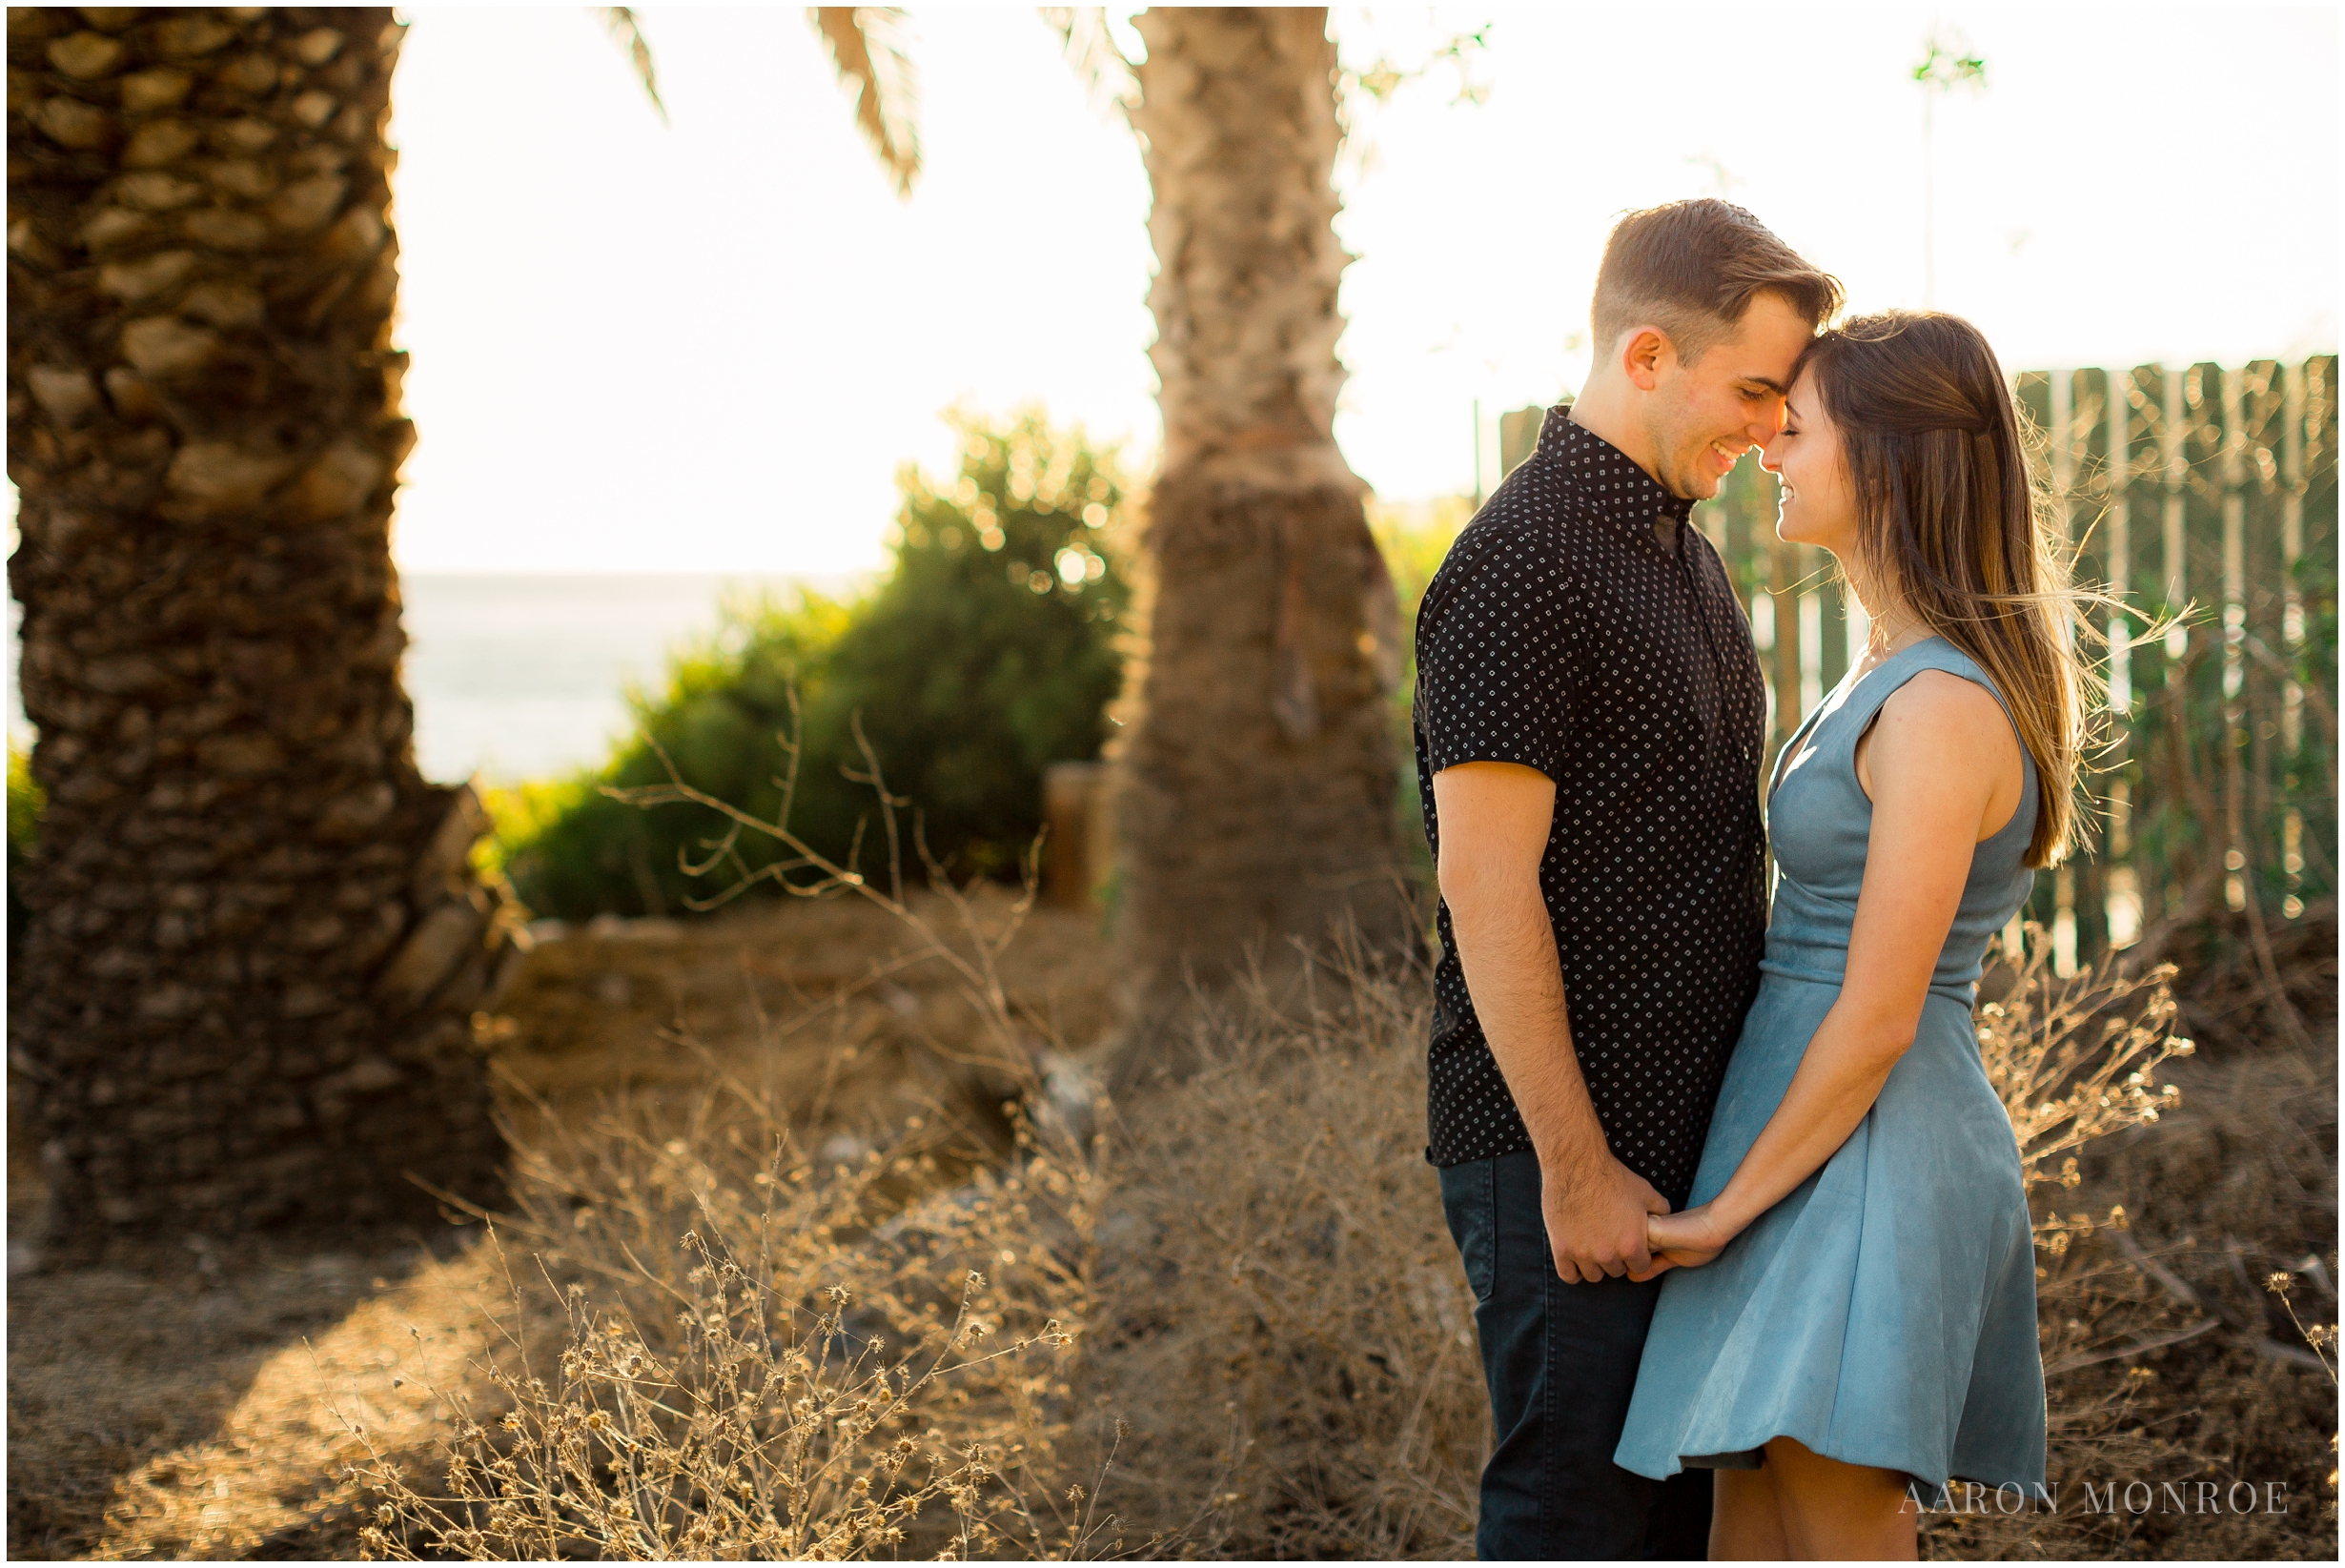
<point x="1578" y="626"/>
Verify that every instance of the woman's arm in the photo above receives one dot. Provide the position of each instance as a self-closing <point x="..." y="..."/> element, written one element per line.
<point x="1945" y="773"/>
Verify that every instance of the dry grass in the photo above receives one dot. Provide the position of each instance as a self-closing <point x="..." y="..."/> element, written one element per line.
<point x="720" y="1356"/>
<point x="1270" y="1296"/>
<point x="775" y="1351"/>
<point x="1300" y="1281"/>
<point x="1251" y="1265"/>
<point x="2166" y="1357"/>
<point x="1281" y="1259"/>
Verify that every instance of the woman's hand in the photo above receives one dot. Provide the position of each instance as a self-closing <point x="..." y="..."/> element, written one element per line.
<point x="1686" y="1240"/>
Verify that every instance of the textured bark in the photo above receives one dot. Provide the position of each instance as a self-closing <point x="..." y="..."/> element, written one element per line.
<point x="255" y="942"/>
<point x="1257" y="784"/>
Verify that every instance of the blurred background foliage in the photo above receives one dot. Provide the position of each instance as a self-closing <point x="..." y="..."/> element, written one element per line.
<point x="990" y="648"/>
<point x="1414" y="538"/>
<point x="994" y="646"/>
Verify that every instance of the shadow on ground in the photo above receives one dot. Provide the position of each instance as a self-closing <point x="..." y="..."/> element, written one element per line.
<point x="193" y="1397"/>
<point x="171" y="1402"/>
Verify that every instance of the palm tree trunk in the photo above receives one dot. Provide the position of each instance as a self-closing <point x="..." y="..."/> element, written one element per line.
<point x="256" y="941"/>
<point x="1258" y="787"/>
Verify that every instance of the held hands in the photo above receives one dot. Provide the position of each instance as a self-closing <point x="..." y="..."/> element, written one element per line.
<point x="1684" y="1241"/>
<point x="1597" y="1214"/>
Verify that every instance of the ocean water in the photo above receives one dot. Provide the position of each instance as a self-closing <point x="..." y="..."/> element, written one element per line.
<point x="522" y="676"/>
<point x="519" y="676"/>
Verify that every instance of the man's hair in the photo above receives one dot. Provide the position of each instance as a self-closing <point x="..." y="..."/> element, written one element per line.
<point x="1692" y="268"/>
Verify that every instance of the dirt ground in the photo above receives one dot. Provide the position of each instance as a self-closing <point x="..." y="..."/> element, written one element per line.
<point x="826" y="1003"/>
<point x="188" y="1399"/>
<point x="179" y="1400"/>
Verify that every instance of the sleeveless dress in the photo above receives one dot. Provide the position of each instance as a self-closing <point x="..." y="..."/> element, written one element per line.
<point x="1883" y="1313"/>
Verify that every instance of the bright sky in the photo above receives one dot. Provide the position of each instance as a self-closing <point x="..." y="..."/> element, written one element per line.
<point x="707" y="347"/>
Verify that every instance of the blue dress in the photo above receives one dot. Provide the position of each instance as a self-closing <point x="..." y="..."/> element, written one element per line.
<point x="1884" y="1312"/>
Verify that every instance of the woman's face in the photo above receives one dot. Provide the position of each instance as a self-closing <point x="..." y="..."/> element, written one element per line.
<point x="1819" y="505"/>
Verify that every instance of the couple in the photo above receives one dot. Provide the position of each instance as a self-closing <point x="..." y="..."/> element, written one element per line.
<point x="1742" y="1217"/>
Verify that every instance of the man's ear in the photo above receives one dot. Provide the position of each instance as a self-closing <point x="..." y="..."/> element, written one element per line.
<point x="1646" y="356"/>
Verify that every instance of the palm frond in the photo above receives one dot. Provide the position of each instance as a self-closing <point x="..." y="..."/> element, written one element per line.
<point x="868" y="45"/>
<point x="1094" y="56"/>
<point x="627" y="31"/>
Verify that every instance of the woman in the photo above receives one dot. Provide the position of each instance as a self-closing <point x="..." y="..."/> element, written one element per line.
<point x="1853" y="1306"/>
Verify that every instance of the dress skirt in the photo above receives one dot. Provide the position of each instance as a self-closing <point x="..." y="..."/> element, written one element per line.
<point x="1884" y="1312"/>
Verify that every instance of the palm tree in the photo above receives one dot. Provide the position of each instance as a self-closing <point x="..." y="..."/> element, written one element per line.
<point x="256" y="946"/>
<point x="1257" y="782"/>
<point x="1255" y="786"/>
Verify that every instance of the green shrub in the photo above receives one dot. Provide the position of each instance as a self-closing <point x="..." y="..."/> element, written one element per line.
<point x="1415" y="539"/>
<point x="993" y="649"/>
<point x="989" y="651"/>
<point x="573" y="851"/>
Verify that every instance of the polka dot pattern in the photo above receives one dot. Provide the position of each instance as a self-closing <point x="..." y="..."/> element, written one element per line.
<point x="1578" y="626"/>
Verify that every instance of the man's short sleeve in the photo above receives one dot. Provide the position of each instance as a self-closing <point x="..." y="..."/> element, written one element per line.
<point x="1491" y="655"/>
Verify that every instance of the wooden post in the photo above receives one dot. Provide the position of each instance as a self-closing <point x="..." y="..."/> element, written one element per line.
<point x="1074" y="860"/>
<point x="2063" y="453"/>
<point x="1811" y="631"/>
<point x="2148" y="584"/>
<point x="1839" y="652"/>
<point x="2087" y="511"/>
<point x="1783" y="572"/>
<point x="2177" y="473"/>
<point x="2122" y="893"/>
<point x="2315" y="790"/>
<point x="1710" y="516"/>
<point x="1518" y="437"/>
<point x="2172" y="715"/>
<point x="2062" y="389"/>
<point x="2264" y="398"/>
<point x="2232" y="473"/>
<point x="2291" y="633"/>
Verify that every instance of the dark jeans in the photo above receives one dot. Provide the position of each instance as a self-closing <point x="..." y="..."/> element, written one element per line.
<point x="1561" y="1361"/>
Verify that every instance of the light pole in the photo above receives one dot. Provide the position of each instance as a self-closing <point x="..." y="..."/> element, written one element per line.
<point x="1946" y="64"/>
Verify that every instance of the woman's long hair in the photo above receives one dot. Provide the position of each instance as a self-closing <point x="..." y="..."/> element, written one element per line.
<point x="1951" y="524"/>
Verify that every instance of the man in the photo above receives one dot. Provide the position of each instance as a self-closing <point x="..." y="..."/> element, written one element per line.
<point x="1590" y="720"/>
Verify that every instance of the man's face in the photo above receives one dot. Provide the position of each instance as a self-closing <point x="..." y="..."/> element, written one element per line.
<point x="1704" y="415"/>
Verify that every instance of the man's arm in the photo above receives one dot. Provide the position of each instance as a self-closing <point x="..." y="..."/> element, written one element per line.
<point x="1494" y="818"/>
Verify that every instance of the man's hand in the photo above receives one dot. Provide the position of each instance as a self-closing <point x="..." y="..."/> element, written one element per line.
<point x="1495" y="820"/>
<point x="1596" y="1211"/>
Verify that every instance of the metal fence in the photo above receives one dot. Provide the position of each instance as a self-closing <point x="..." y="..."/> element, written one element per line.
<point x="2203" y="487"/>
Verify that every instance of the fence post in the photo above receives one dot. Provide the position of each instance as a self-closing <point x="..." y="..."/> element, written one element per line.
<point x="1809" y="564"/>
<point x="2063" y="454"/>
<point x="2122" y="891"/>
<point x="1837" y="653"/>
<point x="2293" y="414"/>
<point x="1518" y="437"/>
<point x="2088" y="510"/>
<point x="2176" y="809"/>
<point x="1783" y="572"/>
<point x="2232" y="473"/>
<point x="2177" y="475"/>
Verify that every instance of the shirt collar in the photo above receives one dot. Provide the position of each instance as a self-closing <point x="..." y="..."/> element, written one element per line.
<point x="1607" y="479"/>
